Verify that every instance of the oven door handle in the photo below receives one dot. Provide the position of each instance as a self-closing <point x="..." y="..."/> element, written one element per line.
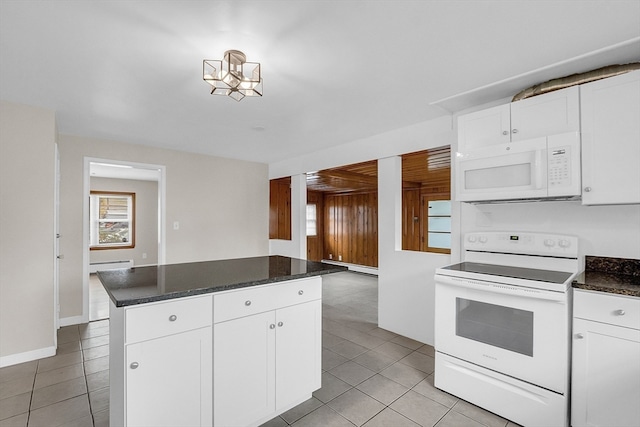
<point x="500" y="288"/>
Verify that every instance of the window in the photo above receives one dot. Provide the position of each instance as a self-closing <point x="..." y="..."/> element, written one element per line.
<point x="112" y="216"/>
<point x="438" y="232"/>
<point x="426" y="200"/>
<point x="312" y="220"/>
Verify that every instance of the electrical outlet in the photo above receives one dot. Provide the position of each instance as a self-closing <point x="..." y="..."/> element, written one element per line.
<point x="330" y="256"/>
<point x="144" y="255"/>
<point x="176" y="225"/>
<point x="339" y="257"/>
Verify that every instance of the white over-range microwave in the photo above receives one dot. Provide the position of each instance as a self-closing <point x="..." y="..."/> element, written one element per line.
<point x="539" y="168"/>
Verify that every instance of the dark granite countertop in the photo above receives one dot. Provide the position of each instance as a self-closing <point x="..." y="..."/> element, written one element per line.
<point x="611" y="275"/>
<point x="139" y="285"/>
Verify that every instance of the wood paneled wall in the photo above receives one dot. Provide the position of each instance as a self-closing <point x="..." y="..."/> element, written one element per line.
<point x="280" y="208"/>
<point x="351" y="228"/>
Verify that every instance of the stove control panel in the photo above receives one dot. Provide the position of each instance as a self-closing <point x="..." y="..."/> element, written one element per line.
<point x="525" y="243"/>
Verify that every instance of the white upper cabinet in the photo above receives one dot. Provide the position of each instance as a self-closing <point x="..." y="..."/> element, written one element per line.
<point x="543" y="115"/>
<point x="611" y="140"/>
<point x="485" y="127"/>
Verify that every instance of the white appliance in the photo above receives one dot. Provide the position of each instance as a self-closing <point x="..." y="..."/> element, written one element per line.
<point x="503" y="324"/>
<point x="539" y="168"/>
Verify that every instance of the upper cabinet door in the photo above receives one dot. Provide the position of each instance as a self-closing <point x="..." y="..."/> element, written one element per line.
<point x="611" y="140"/>
<point x="543" y="115"/>
<point x="484" y="128"/>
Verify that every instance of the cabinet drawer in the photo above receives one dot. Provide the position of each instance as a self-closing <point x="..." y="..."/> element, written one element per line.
<point x="616" y="310"/>
<point x="233" y="304"/>
<point x="155" y="320"/>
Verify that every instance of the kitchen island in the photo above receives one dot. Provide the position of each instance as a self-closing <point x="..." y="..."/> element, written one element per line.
<point x="227" y="343"/>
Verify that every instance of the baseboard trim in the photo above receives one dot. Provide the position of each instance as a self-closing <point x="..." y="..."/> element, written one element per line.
<point x="27" y="356"/>
<point x="73" y="320"/>
<point x="354" y="267"/>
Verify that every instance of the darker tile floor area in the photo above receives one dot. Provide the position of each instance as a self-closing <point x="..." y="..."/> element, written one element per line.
<point x="371" y="377"/>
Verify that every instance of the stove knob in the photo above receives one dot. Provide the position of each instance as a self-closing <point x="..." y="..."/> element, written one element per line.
<point x="483" y="239"/>
<point x="549" y="243"/>
<point x="564" y="243"/>
<point x="471" y="239"/>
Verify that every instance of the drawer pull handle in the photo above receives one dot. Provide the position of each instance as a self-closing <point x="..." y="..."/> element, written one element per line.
<point x="619" y="312"/>
<point x="300" y="292"/>
<point x="134" y="365"/>
<point x="173" y="318"/>
<point x="280" y="324"/>
<point x="272" y="326"/>
<point x="247" y="303"/>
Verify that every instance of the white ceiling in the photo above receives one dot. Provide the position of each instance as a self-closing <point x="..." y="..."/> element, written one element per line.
<point x="334" y="71"/>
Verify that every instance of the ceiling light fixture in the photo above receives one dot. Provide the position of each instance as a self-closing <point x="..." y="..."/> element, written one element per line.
<point x="233" y="76"/>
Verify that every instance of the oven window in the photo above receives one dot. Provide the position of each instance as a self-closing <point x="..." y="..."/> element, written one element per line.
<point x="496" y="325"/>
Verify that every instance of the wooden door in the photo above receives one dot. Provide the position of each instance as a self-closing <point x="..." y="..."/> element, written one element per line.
<point x="315" y="241"/>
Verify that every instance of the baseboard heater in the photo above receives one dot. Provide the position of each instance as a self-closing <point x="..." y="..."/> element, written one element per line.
<point x="109" y="265"/>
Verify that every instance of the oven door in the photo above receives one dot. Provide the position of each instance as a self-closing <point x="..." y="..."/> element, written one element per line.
<point x="520" y="332"/>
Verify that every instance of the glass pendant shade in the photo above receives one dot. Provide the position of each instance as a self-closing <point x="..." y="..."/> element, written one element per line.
<point x="233" y="76"/>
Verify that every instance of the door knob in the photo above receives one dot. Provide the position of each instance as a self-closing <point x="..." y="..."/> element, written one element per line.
<point x="134" y="365"/>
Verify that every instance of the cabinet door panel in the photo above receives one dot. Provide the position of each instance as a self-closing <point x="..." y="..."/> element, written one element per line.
<point x="606" y="375"/>
<point x="484" y="128"/>
<point x="543" y="115"/>
<point x="243" y="362"/>
<point x="169" y="386"/>
<point x="298" y="351"/>
<point x="610" y="140"/>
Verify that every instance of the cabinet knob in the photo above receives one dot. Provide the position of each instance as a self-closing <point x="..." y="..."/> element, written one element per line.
<point x="134" y="365"/>
<point x="587" y="189"/>
<point x="505" y="132"/>
<point x="619" y="312"/>
<point x="580" y="336"/>
<point x="272" y="326"/>
<point x="514" y="131"/>
<point x="247" y="303"/>
<point x="300" y="292"/>
<point x="173" y="318"/>
<point x="280" y="324"/>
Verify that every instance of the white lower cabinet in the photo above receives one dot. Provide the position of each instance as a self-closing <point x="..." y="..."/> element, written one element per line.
<point x="160" y="360"/>
<point x="231" y="358"/>
<point x="606" y="360"/>
<point x="267" y="362"/>
<point x="167" y="380"/>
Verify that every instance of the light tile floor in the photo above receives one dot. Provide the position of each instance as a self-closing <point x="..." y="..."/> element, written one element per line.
<point x="98" y="300"/>
<point x="371" y="377"/>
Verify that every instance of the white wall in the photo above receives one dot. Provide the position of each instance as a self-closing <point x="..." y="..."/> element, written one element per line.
<point x="405" y="278"/>
<point x="222" y="206"/>
<point x="27" y="159"/>
<point x="610" y="231"/>
<point x="146" y="225"/>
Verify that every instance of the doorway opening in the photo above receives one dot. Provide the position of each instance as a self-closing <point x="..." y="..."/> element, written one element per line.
<point x="123" y="224"/>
